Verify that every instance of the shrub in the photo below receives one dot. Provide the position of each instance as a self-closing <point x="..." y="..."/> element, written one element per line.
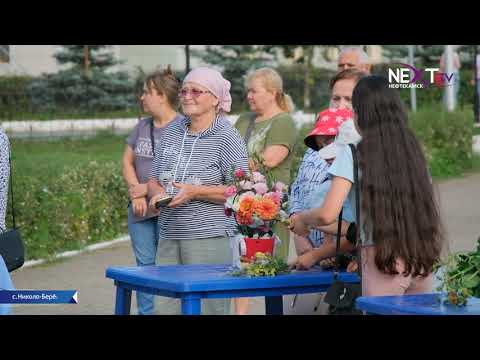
<point x="86" y="204"/>
<point x="13" y="95"/>
<point x="446" y="139"/>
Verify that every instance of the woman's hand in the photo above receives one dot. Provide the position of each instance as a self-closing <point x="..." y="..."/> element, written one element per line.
<point x="298" y="226"/>
<point x="352" y="266"/>
<point x="137" y="191"/>
<point x="186" y="194"/>
<point x="139" y="206"/>
<point x="153" y="201"/>
<point x="253" y="165"/>
<point x="305" y="261"/>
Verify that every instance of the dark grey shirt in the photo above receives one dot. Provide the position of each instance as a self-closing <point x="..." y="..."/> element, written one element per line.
<point x="141" y="144"/>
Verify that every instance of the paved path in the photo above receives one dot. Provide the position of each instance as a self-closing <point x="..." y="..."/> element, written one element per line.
<point x="460" y="204"/>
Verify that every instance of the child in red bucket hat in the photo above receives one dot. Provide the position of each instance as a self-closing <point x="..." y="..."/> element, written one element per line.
<point x="322" y="140"/>
<point x="327" y="124"/>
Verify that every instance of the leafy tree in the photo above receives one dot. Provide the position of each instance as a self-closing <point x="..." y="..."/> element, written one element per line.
<point x="96" y="56"/>
<point x="235" y="61"/>
<point x="86" y="86"/>
<point x="303" y="55"/>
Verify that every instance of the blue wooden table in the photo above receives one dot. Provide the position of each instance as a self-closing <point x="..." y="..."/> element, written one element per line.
<point x="191" y="283"/>
<point x="422" y="304"/>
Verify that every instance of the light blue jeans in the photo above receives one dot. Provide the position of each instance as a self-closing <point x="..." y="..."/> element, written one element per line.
<point x="144" y="235"/>
<point x="5" y="284"/>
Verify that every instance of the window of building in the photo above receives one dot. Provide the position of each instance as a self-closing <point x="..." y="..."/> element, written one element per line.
<point x="4" y="53"/>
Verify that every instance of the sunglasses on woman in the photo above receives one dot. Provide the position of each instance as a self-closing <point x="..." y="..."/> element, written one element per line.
<point x="195" y="93"/>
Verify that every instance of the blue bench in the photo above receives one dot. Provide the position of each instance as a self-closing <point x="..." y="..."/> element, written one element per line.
<point x="421" y="304"/>
<point x="192" y="283"/>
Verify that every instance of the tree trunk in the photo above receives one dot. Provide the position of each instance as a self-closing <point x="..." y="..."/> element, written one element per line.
<point x="187" y="59"/>
<point x="475" y="84"/>
<point x="308" y="55"/>
<point x="86" y="61"/>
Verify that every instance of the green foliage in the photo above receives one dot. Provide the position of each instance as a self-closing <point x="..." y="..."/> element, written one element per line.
<point x="86" y="204"/>
<point x="429" y="56"/>
<point x="447" y="139"/>
<point x="461" y="276"/>
<point x="68" y="194"/>
<point x="294" y="83"/>
<point x="74" y="89"/>
<point x="70" y="89"/>
<point x="425" y="55"/>
<point x="98" y="56"/>
<point x="13" y="95"/>
<point x="264" y="265"/>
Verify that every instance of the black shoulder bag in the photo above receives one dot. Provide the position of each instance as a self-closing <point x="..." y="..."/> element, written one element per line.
<point x="341" y="296"/>
<point x="11" y="244"/>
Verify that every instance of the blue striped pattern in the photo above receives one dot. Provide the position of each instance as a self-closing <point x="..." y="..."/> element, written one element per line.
<point x="206" y="159"/>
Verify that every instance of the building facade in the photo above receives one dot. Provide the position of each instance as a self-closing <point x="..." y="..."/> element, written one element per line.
<point x="34" y="60"/>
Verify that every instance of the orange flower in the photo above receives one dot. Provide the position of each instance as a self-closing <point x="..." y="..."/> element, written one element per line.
<point x="266" y="209"/>
<point x="247" y="205"/>
<point x="244" y="220"/>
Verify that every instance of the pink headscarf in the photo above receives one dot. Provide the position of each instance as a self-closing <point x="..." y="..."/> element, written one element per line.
<point x="213" y="81"/>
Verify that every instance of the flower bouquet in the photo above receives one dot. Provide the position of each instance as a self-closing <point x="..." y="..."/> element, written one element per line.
<point x="257" y="204"/>
<point x="264" y="265"/>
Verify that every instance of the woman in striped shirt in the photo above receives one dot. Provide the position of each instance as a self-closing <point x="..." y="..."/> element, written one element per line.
<point x="193" y="164"/>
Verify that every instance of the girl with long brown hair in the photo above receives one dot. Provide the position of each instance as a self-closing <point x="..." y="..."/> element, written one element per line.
<point x="400" y="231"/>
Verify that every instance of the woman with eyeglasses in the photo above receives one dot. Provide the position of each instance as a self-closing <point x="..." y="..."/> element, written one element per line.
<point x="270" y="134"/>
<point x="160" y="100"/>
<point x="193" y="165"/>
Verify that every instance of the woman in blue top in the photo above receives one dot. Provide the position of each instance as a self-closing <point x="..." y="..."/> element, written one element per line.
<point x="400" y="226"/>
<point x="312" y="179"/>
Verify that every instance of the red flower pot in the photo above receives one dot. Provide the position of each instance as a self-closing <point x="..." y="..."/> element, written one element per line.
<point x="259" y="245"/>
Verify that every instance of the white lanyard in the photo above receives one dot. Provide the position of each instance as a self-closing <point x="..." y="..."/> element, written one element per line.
<point x="180" y="157"/>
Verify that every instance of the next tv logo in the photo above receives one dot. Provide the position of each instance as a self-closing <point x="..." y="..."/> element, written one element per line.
<point x="407" y="76"/>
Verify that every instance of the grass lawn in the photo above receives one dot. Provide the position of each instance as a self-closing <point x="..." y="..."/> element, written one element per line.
<point x="49" y="158"/>
<point x="69" y="115"/>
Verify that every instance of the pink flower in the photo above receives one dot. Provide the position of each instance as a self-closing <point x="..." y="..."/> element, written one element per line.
<point x="279" y="186"/>
<point x="260" y="188"/>
<point x="231" y="190"/>
<point x="275" y="196"/>
<point x="239" y="173"/>
<point x="246" y="185"/>
<point x="258" y="177"/>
